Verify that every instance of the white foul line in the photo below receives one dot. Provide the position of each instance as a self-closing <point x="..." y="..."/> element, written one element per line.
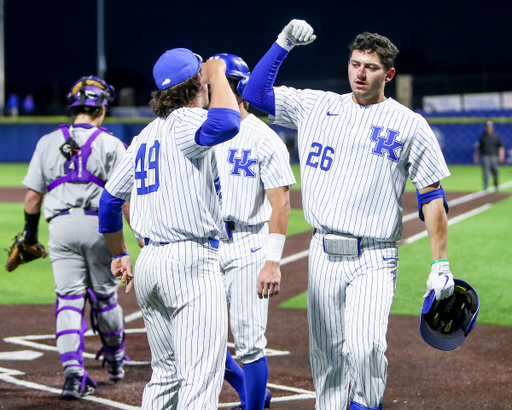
<point x="452" y="221"/>
<point x="7" y="376"/>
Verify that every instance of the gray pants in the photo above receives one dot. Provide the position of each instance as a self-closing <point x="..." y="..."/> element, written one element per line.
<point x="490" y="165"/>
<point x="81" y="262"/>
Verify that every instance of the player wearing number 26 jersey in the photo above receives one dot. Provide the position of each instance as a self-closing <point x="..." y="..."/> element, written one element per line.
<point x="356" y="153"/>
<point x="169" y="175"/>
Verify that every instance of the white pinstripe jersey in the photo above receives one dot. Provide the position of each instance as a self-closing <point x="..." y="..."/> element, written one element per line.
<point x="255" y="160"/>
<point x="169" y="180"/>
<point x="48" y="164"/>
<point x="355" y="160"/>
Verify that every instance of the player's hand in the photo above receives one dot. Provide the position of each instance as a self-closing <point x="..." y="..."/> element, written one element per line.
<point x="440" y="281"/>
<point x="296" y="33"/>
<point x="269" y="280"/>
<point x="211" y="68"/>
<point x="122" y="269"/>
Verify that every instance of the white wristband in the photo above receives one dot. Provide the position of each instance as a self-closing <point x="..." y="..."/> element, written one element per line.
<point x="275" y="245"/>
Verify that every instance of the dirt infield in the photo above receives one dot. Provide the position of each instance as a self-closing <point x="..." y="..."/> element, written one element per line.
<point x="477" y="375"/>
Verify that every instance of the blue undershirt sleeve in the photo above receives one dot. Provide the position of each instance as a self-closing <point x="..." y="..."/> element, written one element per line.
<point x="221" y="125"/>
<point x="259" y="91"/>
<point x="110" y="215"/>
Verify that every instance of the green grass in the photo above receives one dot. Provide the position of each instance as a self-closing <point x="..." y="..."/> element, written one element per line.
<point x="12" y="174"/>
<point x="466" y="178"/>
<point x="479" y="253"/>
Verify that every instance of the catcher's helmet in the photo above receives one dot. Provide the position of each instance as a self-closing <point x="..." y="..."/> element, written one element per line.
<point x="90" y="91"/>
<point x="445" y="324"/>
<point x="236" y="69"/>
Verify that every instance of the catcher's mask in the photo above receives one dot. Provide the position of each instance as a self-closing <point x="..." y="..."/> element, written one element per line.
<point x="445" y="324"/>
<point x="90" y="91"/>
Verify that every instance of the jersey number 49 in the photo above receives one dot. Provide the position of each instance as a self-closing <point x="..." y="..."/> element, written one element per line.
<point x="148" y="177"/>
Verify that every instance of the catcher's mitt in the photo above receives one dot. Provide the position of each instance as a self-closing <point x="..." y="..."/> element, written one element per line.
<point x="20" y="252"/>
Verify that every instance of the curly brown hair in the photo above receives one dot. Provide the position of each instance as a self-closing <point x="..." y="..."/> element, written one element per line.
<point x="164" y="101"/>
<point x="375" y="43"/>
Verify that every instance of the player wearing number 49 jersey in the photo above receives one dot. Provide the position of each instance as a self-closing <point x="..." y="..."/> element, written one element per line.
<point x="356" y="152"/>
<point x="169" y="173"/>
<point x="255" y="176"/>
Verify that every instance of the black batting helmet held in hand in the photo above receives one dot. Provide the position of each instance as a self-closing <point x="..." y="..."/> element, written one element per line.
<point x="445" y="324"/>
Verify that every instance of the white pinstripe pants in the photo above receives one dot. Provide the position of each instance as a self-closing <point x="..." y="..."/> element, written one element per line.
<point x="241" y="261"/>
<point x="349" y="300"/>
<point x="181" y="295"/>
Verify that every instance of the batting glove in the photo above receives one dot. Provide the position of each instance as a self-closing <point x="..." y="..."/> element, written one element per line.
<point x="440" y="280"/>
<point x="296" y="33"/>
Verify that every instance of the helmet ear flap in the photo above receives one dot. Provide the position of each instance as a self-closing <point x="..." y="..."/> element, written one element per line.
<point x="241" y="84"/>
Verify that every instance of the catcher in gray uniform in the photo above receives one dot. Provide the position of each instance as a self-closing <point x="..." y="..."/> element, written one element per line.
<point x="69" y="169"/>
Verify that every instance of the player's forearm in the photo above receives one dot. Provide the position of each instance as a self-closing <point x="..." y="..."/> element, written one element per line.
<point x="33" y="201"/>
<point x="279" y="219"/>
<point x="221" y="94"/>
<point x="126" y="212"/>
<point x="116" y="242"/>
<point x="501" y="154"/>
<point x="436" y="222"/>
<point x="259" y="90"/>
<point x="280" y="200"/>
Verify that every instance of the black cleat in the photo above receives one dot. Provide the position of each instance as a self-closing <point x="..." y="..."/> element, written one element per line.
<point x="115" y="370"/>
<point x="77" y="386"/>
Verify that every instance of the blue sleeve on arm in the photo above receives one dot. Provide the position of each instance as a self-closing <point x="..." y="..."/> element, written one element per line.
<point x="430" y="196"/>
<point x="259" y="90"/>
<point x="110" y="215"/>
<point x="221" y="125"/>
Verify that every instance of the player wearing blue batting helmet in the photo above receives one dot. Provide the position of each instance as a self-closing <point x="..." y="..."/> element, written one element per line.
<point x="237" y="70"/>
<point x="445" y="324"/>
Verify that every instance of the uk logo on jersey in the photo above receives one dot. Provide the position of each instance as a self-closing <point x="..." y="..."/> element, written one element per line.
<point x="242" y="163"/>
<point x="386" y="142"/>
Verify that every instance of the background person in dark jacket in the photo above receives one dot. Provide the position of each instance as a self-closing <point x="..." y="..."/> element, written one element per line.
<point x="490" y="147"/>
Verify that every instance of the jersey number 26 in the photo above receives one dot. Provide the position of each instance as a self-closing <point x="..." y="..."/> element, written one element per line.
<point x="318" y="150"/>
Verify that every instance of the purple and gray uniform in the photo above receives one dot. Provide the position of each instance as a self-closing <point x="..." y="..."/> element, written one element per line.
<point x="79" y="255"/>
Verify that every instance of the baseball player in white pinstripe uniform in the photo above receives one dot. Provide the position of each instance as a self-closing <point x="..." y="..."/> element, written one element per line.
<point x="170" y="173"/>
<point x="69" y="169"/>
<point x="255" y="176"/>
<point x="356" y="152"/>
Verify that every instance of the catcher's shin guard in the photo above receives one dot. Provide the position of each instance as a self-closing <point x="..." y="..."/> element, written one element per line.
<point x="107" y="320"/>
<point x="70" y="329"/>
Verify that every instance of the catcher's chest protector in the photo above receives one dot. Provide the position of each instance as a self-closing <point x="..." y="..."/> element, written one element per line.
<point x="78" y="172"/>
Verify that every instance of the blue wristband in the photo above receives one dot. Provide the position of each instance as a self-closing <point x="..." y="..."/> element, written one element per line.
<point x="120" y="255"/>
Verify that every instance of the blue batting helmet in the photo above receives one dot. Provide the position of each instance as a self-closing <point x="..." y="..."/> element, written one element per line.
<point x="90" y="91"/>
<point x="445" y="324"/>
<point x="236" y="69"/>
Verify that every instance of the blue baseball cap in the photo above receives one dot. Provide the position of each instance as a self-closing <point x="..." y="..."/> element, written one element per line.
<point x="175" y="66"/>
